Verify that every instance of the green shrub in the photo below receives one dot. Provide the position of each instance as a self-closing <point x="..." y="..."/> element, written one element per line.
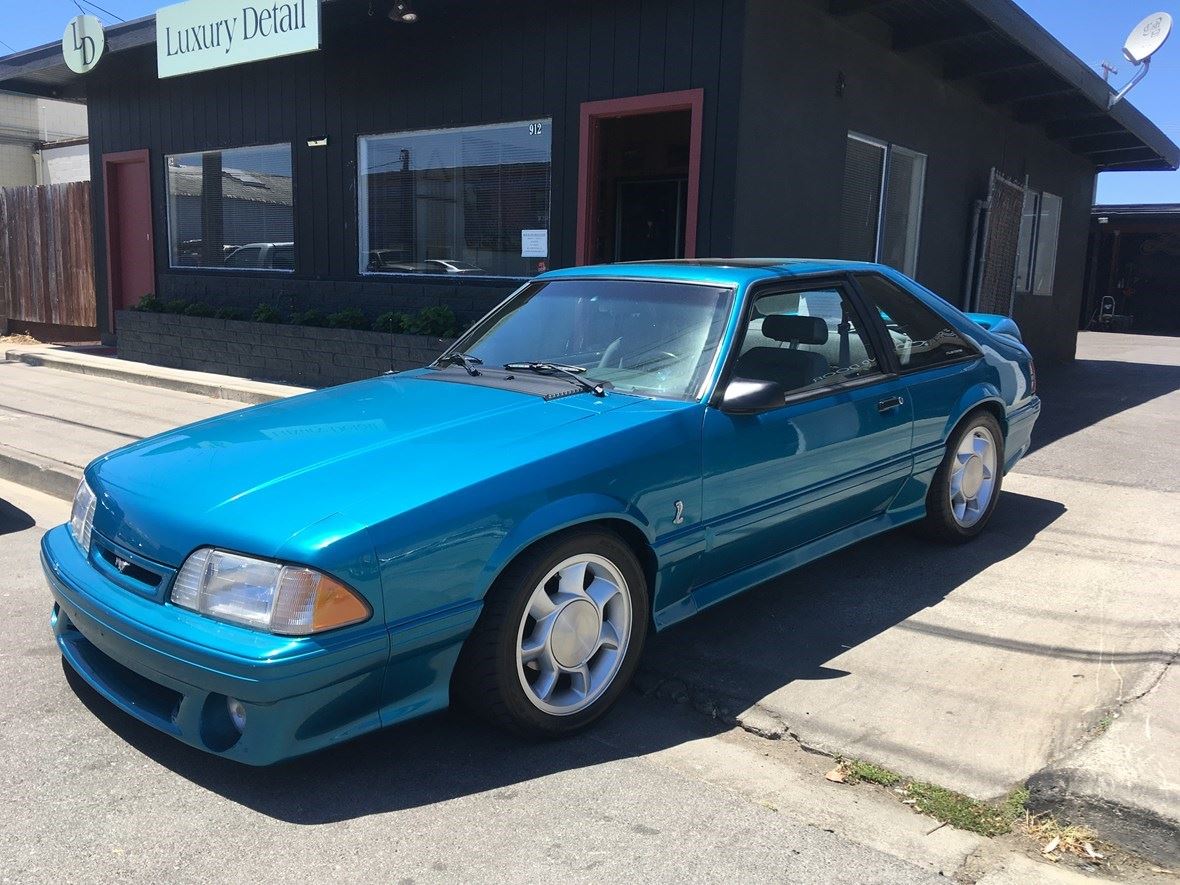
<point x="229" y="313"/>
<point x="149" y="304"/>
<point x="391" y="321"/>
<point x="436" y="321"/>
<point x="198" y="309"/>
<point x="264" y="313"/>
<point x="349" y="318"/>
<point x="176" y="305"/>
<point x="308" y="318"/>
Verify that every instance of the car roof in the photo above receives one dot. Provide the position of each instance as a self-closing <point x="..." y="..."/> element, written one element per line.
<point x="723" y="271"/>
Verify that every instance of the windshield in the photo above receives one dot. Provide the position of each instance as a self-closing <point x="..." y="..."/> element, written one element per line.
<point x="649" y="338"/>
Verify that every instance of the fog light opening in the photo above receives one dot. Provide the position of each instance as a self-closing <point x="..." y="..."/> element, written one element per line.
<point x="237" y="713"/>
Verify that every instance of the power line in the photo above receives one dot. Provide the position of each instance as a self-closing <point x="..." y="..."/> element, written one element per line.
<point x="106" y="11"/>
<point x="10" y="49"/>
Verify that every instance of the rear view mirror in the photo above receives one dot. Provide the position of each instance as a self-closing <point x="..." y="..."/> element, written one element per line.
<point x="747" y="396"/>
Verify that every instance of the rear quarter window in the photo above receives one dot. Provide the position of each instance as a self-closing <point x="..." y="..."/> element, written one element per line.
<point x="921" y="337"/>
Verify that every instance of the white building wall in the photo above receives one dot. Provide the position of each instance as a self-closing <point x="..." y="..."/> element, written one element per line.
<point x="25" y="121"/>
<point x="62" y="164"/>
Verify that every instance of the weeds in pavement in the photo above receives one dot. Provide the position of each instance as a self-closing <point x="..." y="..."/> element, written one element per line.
<point x="1057" y="841"/>
<point x="945" y="806"/>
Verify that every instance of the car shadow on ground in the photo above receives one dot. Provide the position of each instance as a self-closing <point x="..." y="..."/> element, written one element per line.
<point x="13" y="519"/>
<point x="748" y="647"/>
<point x="1079" y="394"/>
<point x="790" y="628"/>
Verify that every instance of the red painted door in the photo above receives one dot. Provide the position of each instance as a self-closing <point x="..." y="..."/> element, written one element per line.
<point x="131" y="266"/>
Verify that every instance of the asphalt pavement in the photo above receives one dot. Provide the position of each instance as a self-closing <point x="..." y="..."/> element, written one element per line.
<point x="656" y="794"/>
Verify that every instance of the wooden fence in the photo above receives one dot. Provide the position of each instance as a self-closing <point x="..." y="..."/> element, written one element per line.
<point x="47" y="255"/>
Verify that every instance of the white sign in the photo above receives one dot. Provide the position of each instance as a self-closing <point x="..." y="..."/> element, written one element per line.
<point x="83" y="43"/>
<point x="534" y="243"/>
<point x="204" y="34"/>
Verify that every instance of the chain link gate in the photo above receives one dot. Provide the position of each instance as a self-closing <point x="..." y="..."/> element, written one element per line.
<point x="996" y="287"/>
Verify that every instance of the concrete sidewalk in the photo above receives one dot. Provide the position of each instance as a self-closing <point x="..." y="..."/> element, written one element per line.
<point x="53" y="423"/>
<point x="102" y="363"/>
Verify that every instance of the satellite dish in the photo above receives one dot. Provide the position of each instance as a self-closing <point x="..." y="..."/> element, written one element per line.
<point x="1147" y="37"/>
<point x="1143" y="42"/>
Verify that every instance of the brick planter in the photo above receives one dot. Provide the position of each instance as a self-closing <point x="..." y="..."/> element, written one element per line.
<point x="304" y="355"/>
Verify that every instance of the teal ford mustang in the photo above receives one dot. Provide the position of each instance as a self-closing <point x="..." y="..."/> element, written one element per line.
<point x="611" y="449"/>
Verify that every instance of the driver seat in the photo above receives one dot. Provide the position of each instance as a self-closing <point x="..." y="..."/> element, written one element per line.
<point x="790" y="367"/>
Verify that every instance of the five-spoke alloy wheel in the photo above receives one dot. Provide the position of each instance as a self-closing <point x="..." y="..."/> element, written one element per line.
<point x="559" y="636"/>
<point x="967" y="485"/>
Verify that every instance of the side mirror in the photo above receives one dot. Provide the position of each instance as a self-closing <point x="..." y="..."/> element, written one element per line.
<point x="746" y="396"/>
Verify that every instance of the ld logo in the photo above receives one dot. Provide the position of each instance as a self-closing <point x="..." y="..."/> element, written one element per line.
<point x="83" y="43"/>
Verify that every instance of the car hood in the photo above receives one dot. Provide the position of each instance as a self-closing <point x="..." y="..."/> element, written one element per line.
<point x="255" y="479"/>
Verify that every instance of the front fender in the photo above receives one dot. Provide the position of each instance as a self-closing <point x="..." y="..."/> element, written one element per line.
<point x="557" y="516"/>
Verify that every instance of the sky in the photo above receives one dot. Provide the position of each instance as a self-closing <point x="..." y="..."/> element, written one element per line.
<point x="1093" y="29"/>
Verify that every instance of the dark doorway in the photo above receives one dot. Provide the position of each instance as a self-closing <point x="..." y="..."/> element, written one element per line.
<point x="649" y="218"/>
<point x="639" y="178"/>
<point x="131" y="266"/>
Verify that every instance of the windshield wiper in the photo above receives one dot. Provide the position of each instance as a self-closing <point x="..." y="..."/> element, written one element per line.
<point x="466" y="360"/>
<point x="562" y="370"/>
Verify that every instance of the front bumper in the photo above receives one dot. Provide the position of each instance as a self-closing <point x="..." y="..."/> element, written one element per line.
<point x="174" y="669"/>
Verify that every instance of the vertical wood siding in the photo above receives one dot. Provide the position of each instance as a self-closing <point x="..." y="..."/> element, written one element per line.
<point x="463" y="64"/>
<point x="46" y="254"/>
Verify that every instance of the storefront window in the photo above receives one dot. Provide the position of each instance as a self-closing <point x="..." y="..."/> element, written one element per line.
<point x="232" y="209"/>
<point x="456" y="201"/>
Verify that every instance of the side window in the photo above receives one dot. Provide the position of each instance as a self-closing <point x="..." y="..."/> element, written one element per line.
<point x="283" y="258"/>
<point x="804" y="339"/>
<point x="920" y="336"/>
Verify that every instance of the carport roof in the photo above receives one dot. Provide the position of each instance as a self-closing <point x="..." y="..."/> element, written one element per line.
<point x="991" y="46"/>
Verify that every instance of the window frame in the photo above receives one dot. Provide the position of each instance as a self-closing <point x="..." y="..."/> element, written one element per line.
<point x="841" y="282"/>
<point x="362" y="200"/>
<point x="973" y="352"/>
<point x="1034" y="243"/>
<point x="882" y="192"/>
<point x="190" y="269"/>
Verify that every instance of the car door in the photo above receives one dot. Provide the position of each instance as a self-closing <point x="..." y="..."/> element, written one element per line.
<point x="834" y="454"/>
<point x="930" y="356"/>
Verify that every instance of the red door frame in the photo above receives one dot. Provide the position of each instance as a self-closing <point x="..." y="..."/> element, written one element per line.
<point x="109" y="162"/>
<point x="593" y="113"/>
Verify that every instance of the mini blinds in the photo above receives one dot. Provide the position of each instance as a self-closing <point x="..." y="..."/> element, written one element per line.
<point x="455" y="200"/>
<point x="231" y="209"/>
<point x="881" y="210"/>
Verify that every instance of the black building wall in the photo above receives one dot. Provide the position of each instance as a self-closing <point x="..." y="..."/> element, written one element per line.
<point x="792" y="148"/>
<point x="463" y="64"/>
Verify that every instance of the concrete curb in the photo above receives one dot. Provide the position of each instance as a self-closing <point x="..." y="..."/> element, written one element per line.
<point x="1077" y="796"/>
<point x="36" y="472"/>
<point x="202" y="383"/>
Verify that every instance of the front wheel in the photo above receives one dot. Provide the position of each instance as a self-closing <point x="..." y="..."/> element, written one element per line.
<point x="559" y="637"/>
<point x="967" y="484"/>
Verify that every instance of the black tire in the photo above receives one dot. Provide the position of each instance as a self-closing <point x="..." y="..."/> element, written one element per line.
<point x="486" y="681"/>
<point x="940" y="522"/>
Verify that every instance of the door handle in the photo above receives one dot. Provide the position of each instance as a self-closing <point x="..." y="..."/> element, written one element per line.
<point x="890" y="403"/>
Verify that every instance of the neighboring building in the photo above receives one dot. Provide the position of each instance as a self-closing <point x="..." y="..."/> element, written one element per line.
<point x="42" y="141"/>
<point x="1135" y="263"/>
<point x="447" y="160"/>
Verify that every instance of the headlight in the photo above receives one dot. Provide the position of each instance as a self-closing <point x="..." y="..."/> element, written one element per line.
<point x="82" y="515"/>
<point x="287" y="599"/>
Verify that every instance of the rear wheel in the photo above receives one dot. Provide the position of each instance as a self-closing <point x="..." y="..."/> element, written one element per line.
<point x="967" y="484"/>
<point x="559" y="637"/>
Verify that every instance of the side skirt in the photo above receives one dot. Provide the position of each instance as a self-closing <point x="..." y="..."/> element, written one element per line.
<point x="730" y="585"/>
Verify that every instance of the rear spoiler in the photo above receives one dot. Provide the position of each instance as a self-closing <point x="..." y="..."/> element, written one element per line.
<point x="997" y="325"/>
